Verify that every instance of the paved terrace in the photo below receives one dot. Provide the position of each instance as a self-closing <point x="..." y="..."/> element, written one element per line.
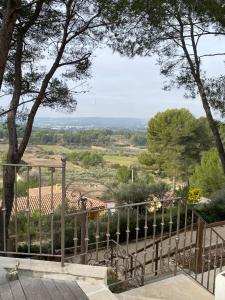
<point x="44" y="280"/>
<point x="27" y="288"/>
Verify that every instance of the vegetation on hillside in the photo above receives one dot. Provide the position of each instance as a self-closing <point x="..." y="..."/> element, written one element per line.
<point x="86" y="158"/>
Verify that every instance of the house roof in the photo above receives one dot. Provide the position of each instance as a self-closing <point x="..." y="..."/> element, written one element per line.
<point x="49" y="201"/>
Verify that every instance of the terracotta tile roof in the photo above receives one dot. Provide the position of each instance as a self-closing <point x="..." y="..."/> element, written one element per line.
<point x="50" y="202"/>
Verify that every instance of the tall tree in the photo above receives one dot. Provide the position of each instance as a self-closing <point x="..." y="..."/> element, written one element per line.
<point x="174" y="31"/>
<point x="9" y="13"/>
<point x="214" y="9"/>
<point x="50" y="58"/>
<point x="175" y="143"/>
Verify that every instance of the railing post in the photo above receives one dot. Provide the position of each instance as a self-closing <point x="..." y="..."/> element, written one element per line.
<point x="177" y="239"/>
<point x="83" y="230"/>
<point x="112" y="254"/>
<point x="131" y="266"/>
<point x="63" y="211"/>
<point x="4" y="214"/>
<point x="199" y="246"/>
<point x="156" y="257"/>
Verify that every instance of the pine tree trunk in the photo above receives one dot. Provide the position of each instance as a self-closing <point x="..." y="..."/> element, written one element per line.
<point x="6" y="32"/>
<point x="195" y="69"/>
<point x="215" y="130"/>
<point x="8" y="195"/>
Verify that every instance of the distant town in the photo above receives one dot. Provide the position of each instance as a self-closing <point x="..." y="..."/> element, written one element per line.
<point x="90" y="123"/>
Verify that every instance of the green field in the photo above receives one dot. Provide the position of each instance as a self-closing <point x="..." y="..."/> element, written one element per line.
<point x="122" y="160"/>
<point x="3" y="147"/>
<point x="56" y="149"/>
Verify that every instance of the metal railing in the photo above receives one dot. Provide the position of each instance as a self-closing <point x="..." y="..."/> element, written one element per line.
<point x="32" y="211"/>
<point x="207" y="258"/>
<point x="142" y="240"/>
<point x="136" y="241"/>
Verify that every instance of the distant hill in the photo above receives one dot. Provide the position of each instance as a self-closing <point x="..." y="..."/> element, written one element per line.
<point x="91" y="123"/>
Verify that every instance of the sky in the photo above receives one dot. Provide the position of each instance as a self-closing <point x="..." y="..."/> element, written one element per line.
<point x="123" y="87"/>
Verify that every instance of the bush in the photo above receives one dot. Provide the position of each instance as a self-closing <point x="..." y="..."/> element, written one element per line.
<point x="132" y="193"/>
<point x="123" y="174"/>
<point x="86" y="158"/>
<point x="115" y="166"/>
<point x="22" y="186"/>
<point x="139" y="139"/>
<point x="139" y="192"/>
<point x="182" y="192"/>
<point x="158" y="189"/>
<point x="194" y="195"/>
<point x="50" y="152"/>
<point x="214" y="211"/>
<point x="208" y="176"/>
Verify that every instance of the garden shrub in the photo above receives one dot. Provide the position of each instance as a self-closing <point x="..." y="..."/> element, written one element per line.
<point x="208" y="175"/>
<point x="140" y="192"/>
<point x="86" y="158"/>
<point x="194" y="195"/>
<point x="214" y="210"/>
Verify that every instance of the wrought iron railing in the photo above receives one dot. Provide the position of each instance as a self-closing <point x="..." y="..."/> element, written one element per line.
<point x="136" y="241"/>
<point x="207" y="258"/>
<point x="34" y="224"/>
<point x="157" y="237"/>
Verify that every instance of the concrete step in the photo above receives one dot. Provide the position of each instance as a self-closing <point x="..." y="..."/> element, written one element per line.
<point x="180" y="287"/>
<point x="54" y="270"/>
<point x="96" y="291"/>
<point x="151" y="279"/>
<point x="129" y="297"/>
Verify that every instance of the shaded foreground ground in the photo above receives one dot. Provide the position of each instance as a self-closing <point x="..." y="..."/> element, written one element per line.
<point x="28" y="288"/>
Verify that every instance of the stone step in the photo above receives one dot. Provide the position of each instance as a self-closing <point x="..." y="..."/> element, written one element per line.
<point x="129" y="297"/>
<point x="152" y="279"/>
<point x="180" y="287"/>
<point x="96" y="291"/>
<point x="54" y="270"/>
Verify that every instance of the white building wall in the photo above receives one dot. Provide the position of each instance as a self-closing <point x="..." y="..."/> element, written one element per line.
<point x="220" y="287"/>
